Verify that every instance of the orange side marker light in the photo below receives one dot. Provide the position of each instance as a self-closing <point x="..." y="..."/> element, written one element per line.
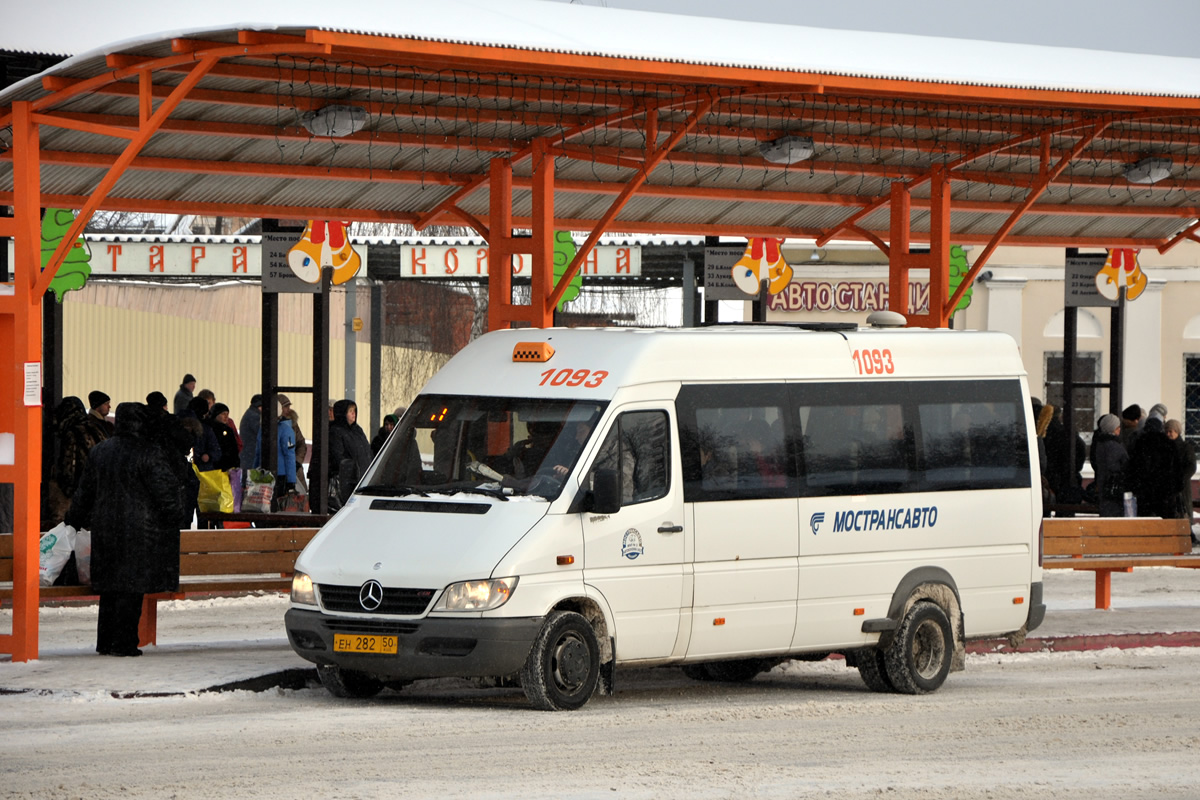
<point x="565" y="561"/>
<point x="719" y="621"/>
<point x="1017" y="601"/>
<point x="858" y="612"/>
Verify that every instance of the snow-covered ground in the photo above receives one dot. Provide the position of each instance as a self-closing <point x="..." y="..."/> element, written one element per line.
<point x="1110" y="723"/>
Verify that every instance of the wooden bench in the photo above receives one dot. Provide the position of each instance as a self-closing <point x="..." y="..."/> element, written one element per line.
<point x="1106" y="545"/>
<point x="210" y="562"/>
<point x="276" y="519"/>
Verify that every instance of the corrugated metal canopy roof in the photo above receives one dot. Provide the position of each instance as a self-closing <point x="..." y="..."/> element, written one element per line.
<point x="445" y="95"/>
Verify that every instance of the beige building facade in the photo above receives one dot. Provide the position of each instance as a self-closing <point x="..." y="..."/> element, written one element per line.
<point x="128" y="339"/>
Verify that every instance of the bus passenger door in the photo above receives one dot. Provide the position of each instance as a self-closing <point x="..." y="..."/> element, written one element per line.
<point x="740" y="488"/>
<point x="635" y="557"/>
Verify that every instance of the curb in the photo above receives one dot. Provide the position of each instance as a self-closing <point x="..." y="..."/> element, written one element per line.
<point x="1064" y="644"/>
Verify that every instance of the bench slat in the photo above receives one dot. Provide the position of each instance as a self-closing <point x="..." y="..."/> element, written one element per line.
<point x="1102" y="536"/>
<point x="255" y="540"/>
<point x="199" y="564"/>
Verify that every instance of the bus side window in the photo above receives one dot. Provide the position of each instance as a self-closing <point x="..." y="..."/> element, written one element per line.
<point x="638" y="446"/>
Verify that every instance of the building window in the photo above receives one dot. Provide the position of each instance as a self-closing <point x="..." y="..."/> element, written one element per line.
<point x="1087" y="401"/>
<point x="1191" y="395"/>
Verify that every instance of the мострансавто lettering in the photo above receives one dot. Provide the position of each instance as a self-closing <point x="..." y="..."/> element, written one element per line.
<point x="892" y="519"/>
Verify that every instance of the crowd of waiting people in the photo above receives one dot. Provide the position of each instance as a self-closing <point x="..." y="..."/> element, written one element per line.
<point x="1142" y="463"/>
<point x="134" y="483"/>
<point x="197" y="429"/>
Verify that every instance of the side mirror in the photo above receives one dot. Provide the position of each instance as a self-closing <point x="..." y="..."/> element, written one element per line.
<point x="606" y="492"/>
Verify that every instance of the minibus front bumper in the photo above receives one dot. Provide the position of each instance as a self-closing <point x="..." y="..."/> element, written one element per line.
<point x="428" y="647"/>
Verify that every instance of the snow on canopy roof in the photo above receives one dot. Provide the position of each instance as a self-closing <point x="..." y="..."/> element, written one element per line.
<point x="537" y="25"/>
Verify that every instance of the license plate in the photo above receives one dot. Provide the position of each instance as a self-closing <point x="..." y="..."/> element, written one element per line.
<point x="361" y="643"/>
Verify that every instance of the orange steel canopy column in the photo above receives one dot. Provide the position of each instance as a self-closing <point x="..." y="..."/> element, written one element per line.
<point x="26" y="353"/>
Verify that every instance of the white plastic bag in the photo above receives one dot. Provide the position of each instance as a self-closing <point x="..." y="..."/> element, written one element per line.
<point x="83" y="556"/>
<point x="55" y="546"/>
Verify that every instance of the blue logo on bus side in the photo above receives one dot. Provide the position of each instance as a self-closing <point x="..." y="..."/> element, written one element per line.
<point x="880" y="519"/>
<point x="815" y="521"/>
<point x="631" y="544"/>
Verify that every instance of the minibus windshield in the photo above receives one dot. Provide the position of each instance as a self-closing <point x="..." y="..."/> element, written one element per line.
<point x="496" y="446"/>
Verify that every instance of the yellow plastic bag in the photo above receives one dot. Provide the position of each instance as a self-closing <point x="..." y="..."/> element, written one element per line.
<point x="216" y="493"/>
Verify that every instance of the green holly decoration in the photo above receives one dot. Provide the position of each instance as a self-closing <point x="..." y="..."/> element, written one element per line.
<point x="564" y="254"/>
<point x="76" y="267"/>
<point x="958" y="270"/>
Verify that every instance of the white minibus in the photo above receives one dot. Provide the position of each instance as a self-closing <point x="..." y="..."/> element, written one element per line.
<point x="558" y="503"/>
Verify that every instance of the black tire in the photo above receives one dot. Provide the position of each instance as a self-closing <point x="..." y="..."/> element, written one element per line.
<point x="348" y="683"/>
<point x="872" y="670"/>
<point x="919" y="656"/>
<point x="563" y="668"/>
<point x="735" y="671"/>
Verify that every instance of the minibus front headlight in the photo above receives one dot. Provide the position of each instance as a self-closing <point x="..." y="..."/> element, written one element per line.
<point x="302" y="590"/>
<point x="476" y="595"/>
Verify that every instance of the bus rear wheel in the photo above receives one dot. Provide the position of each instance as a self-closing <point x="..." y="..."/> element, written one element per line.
<point x="919" y="656"/>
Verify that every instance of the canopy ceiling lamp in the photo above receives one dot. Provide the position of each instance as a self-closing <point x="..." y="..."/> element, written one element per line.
<point x="334" y="121"/>
<point x="1151" y="169"/>
<point x="787" y="149"/>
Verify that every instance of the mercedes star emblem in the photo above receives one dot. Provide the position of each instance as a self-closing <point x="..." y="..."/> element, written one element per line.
<point x="370" y="596"/>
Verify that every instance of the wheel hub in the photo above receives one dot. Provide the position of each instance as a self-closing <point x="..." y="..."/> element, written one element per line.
<point x="928" y="649"/>
<point x="571" y="662"/>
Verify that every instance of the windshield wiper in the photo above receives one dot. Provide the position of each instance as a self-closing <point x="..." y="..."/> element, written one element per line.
<point x="496" y="493"/>
<point x="383" y="490"/>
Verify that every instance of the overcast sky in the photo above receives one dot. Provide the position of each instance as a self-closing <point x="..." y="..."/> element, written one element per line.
<point x="1161" y="27"/>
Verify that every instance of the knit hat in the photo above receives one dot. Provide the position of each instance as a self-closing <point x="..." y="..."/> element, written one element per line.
<point x="1159" y="410"/>
<point x="1132" y="413"/>
<point x="217" y="409"/>
<point x="97" y="399"/>
<point x="1109" y="424"/>
<point x="188" y="378"/>
<point x="256" y="401"/>
<point x="283" y="399"/>
<point x="156" y="400"/>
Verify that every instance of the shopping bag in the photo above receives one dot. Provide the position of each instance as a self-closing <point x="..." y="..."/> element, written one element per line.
<point x="293" y="503"/>
<point x="215" y="492"/>
<point x="83" y="556"/>
<point x="55" y="546"/>
<point x="235" y="483"/>
<point x="260" y="488"/>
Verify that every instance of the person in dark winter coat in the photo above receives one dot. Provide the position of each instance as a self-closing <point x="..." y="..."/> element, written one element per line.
<point x="1185" y="456"/>
<point x="183" y="398"/>
<point x="1154" y="472"/>
<point x="349" y="450"/>
<point x="385" y="430"/>
<point x="74" y="437"/>
<point x="156" y="402"/>
<point x="248" y="426"/>
<point x="227" y="438"/>
<point x="206" y="452"/>
<point x="132" y="501"/>
<point x="1131" y="426"/>
<point x="1109" y="460"/>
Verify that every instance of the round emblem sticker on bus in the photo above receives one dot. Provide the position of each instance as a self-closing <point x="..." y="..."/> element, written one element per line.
<point x="631" y="545"/>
